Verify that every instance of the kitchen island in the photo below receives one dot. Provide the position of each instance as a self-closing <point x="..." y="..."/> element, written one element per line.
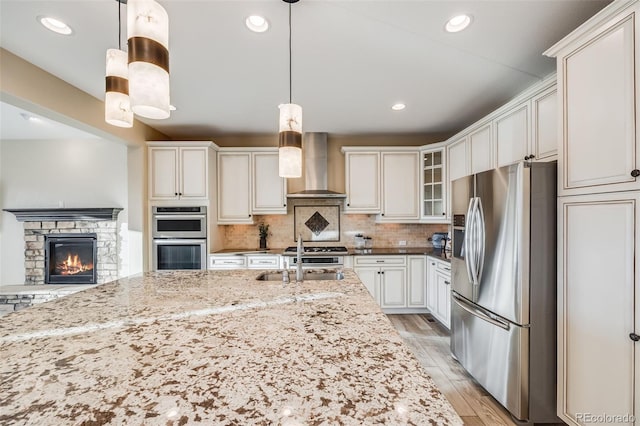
<point x="213" y="347"/>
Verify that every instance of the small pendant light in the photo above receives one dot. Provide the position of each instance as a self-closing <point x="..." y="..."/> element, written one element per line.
<point x="148" y="38"/>
<point x="117" y="108"/>
<point x="290" y="128"/>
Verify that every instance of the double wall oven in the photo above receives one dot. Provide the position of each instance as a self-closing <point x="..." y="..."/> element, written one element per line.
<point x="179" y="238"/>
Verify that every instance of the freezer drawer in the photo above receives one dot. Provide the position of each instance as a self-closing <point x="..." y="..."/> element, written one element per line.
<point x="495" y="352"/>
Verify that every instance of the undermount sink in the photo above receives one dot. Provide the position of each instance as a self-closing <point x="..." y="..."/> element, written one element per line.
<point x="308" y="275"/>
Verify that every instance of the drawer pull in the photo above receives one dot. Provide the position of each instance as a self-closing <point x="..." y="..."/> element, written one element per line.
<point x="635" y="173"/>
<point x="379" y="261"/>
<point x="447" y="283"/>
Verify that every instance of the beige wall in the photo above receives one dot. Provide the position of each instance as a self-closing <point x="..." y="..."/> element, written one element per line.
<point x="26" y="86"/>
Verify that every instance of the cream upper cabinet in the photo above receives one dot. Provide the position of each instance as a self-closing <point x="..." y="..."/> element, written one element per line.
<point x="458" y="159"/>
<point x="482" y="149"/>
<point x="598" y="77"/>
<point x="512" y="135"/>
<point x="400" y="186"/>
<point x="269" y="190"/>
<point x="249" y="184"/>
<point x="362" y="182"/>
<point x="234" y="187"/>
<point x="179" y="172"/>
<point x="598" y="305"/>
<point x="434" y="185"/>
<point x="544" y="138"/>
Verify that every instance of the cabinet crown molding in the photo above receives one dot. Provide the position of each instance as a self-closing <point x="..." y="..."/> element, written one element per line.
<point x="587" y="28"/>
<point x="185" y="144"/>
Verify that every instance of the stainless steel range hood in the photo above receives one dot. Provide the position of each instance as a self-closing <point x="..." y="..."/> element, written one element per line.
<point x="314" y="146"/>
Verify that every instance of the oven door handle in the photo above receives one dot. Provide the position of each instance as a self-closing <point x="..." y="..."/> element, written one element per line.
<point x="178" y="241"/>
<point x="179" y="216"/>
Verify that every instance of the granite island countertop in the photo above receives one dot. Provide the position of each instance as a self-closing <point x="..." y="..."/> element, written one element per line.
<point x="213" y="347"/>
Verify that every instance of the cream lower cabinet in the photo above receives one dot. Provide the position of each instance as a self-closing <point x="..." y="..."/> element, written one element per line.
<point x="245" y="261"/>
<point x="416" y="282"/>
<point x="439" y="290"/>
<point x="397" y="283"/>
<point x="598" y="306"/>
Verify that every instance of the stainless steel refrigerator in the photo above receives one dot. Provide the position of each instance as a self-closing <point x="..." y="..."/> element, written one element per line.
<point x="503" y="307"/>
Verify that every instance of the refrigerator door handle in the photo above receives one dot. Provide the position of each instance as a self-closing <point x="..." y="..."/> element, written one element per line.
<point x="468" y="244"/>
<point x="478" y="313"/>
<point x="480" y="243"/>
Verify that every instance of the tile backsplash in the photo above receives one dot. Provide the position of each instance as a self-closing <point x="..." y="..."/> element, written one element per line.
<point x="281" y="228"/>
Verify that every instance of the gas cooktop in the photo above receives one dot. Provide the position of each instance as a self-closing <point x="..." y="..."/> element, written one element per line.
<point x="319" y="250"/>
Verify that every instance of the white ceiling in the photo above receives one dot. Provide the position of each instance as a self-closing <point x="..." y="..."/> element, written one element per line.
<point x="352" y="59"/>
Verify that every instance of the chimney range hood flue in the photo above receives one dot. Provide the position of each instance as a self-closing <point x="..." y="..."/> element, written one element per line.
<point x="314" y="150"/>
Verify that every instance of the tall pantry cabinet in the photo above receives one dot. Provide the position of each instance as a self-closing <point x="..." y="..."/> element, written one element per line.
<point x="598" y="218"/>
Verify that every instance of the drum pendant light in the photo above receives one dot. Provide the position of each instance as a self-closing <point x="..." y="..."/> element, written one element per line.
<point x="290" y="128"/>
<point x="148" y="38"/>
<point x="117" y="108"/>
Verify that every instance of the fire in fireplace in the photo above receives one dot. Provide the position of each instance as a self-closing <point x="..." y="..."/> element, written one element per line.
<point x="70" y="259"/>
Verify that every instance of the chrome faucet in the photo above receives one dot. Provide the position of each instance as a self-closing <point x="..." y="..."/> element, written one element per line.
<point x="299" y="276"/>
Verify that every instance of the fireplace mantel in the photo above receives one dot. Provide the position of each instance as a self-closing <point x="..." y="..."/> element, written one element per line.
<point x="88" y="214"/>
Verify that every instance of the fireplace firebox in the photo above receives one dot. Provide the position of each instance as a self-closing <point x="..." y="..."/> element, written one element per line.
<point x="71" y="259"/>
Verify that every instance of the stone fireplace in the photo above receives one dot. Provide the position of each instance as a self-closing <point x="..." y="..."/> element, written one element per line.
<point x="70" y="246"/>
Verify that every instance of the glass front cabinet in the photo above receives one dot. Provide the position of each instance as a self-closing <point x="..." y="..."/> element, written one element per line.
<point x="434" y="188"/>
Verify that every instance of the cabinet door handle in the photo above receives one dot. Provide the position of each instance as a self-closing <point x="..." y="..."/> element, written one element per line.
<point x="447" y="283"/>
<point x="179" y="193"/>
<point x="175" y="193"/>
<point x="443" y="213"/>
<point x="433" y="264"/>
<point x="635" y="173"/>
<point x="634" y="337"/>
<point x="249" y="215"/>
<point x="382" y="272"/>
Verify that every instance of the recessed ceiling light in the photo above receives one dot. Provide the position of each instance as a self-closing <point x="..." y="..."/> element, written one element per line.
<point x="398" y="107"/>
<point x="172" y="108"/>
<point x="257" y="23"/>
<point x="458" y="23"/>
<point x="55" y="25"/>
<point x="30" y="118"/>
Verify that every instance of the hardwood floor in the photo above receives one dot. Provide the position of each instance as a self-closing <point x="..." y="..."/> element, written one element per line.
<point x="429" y="341"/>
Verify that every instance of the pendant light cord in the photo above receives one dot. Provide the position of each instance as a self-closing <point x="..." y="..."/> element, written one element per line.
<point x="119" y="27"/>
<point x="290" y="53"/>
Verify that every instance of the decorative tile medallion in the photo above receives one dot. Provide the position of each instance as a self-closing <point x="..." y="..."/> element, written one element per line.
<point x="317" y="223"/>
